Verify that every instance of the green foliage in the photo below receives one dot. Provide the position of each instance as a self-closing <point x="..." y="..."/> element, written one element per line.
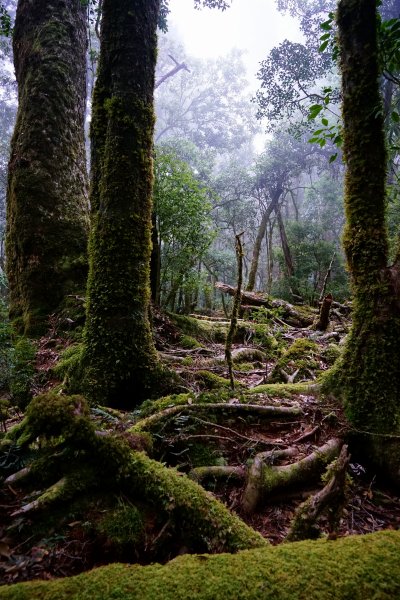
<point x="312" y="254"/>
<point x="22" y="372"/>
<point x="6" y="348"/>
<point x="5" y="22"/>
<point x="69" y="368"/>
<point x="182" y="208"/>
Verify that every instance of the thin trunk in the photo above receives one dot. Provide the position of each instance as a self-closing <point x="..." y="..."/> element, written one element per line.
<point x="260" y="236"/>
<point x="47" y="208"/>
<point x="285" y="244"/>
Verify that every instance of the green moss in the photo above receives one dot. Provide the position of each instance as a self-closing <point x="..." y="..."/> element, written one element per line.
<point x="82" y="462"/>
<point x="186" y="341"/>
<point x="123" y="525"/>
<point x="359" y="568"/>
<point x="201" y="329"/>
<point x="265" y="340"/>
<point x="188" y="361"/>
<point x="281" y="390"/>
<point x="300" y="355"/>
<point x="211" y="381"/>
<point x="244" y="366"/>
<point x="121" y="366"/>
<point x="69" y="368"/>
<point x="23" y="371"/>
<point x="331" y="353"/>
<point x="150" y="407"/>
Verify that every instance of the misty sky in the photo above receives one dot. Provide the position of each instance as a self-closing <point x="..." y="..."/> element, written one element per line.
<point x="252" y="25"/>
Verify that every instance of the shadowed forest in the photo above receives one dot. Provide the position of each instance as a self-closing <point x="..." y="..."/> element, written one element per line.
<point x="200" y="306"/>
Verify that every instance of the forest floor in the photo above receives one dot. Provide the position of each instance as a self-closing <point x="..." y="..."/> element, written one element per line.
<point x="277" y="368"/>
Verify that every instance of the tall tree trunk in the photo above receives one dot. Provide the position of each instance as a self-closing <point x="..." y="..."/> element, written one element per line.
<point x="260" y="236"/>
<point x="47" y="209"/>
<point x="120" y="362"/>
<point x="285" y="244"/>
<point x="368" y="375"/>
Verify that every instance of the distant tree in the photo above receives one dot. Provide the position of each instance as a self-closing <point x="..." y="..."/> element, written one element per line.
<point x="47" y="210"/>
<point x="208" y="105"/>
<point x="182" y="207"/>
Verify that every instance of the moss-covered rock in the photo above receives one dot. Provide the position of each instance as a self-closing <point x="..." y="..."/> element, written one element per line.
<point x="358" y="567"/>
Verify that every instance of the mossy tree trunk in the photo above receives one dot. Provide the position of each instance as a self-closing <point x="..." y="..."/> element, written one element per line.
<point x="120" y="361"/>
<point x="47" y="208"/>
<point x="368" y="375"/>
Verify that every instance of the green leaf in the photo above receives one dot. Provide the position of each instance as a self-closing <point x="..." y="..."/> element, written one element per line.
<point x="326" y="25"/>
<point x="326" y="36"/>
<point x="324" y="122"/>
<point x="323" y="46"/>
<point x="333" y="158"/>
<point x="395" y="116"/>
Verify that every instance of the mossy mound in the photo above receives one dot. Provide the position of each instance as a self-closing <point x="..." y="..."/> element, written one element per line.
<point x="301" y="357"/>
<point x="359" y="567"/>
<point x="211" y="381"/>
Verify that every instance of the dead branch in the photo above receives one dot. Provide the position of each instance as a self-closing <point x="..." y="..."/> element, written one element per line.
<point x="323" y="319"/>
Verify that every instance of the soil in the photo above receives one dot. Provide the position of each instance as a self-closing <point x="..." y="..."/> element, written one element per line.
<point x="370" y="506"/>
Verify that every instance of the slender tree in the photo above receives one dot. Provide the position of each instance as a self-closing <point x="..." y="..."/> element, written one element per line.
<point x="120" y="361"/>
<point x="368" y="375"/>
<point x="47" y="210"/>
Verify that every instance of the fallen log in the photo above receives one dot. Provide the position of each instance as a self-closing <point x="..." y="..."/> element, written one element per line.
<point x="293" y="316"/>
<point x="357" y="567"/>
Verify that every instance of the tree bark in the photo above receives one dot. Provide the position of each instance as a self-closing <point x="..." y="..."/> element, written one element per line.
<point x="260" y="236"/>
<point x="367" y="376"/>
<point x="47" y="208"/>
<point x="120" y="361"/>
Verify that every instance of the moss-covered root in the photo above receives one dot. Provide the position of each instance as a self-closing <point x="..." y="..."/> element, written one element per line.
<point x="153" y="421"/>
<point x="265" y="479"/>
<point x="107" y="461"/>
<point x="330" y="499"/>
<point x="358" y="567"/>
<point x="204" y="521"/>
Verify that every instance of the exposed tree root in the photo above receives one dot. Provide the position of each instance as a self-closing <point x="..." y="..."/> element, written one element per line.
<point x="88" y="461"/>
<point x="331" y="498"/>
<point x="235" y="473"/>
<point x="265" y="479"/>
<point x="283" y="412"/>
